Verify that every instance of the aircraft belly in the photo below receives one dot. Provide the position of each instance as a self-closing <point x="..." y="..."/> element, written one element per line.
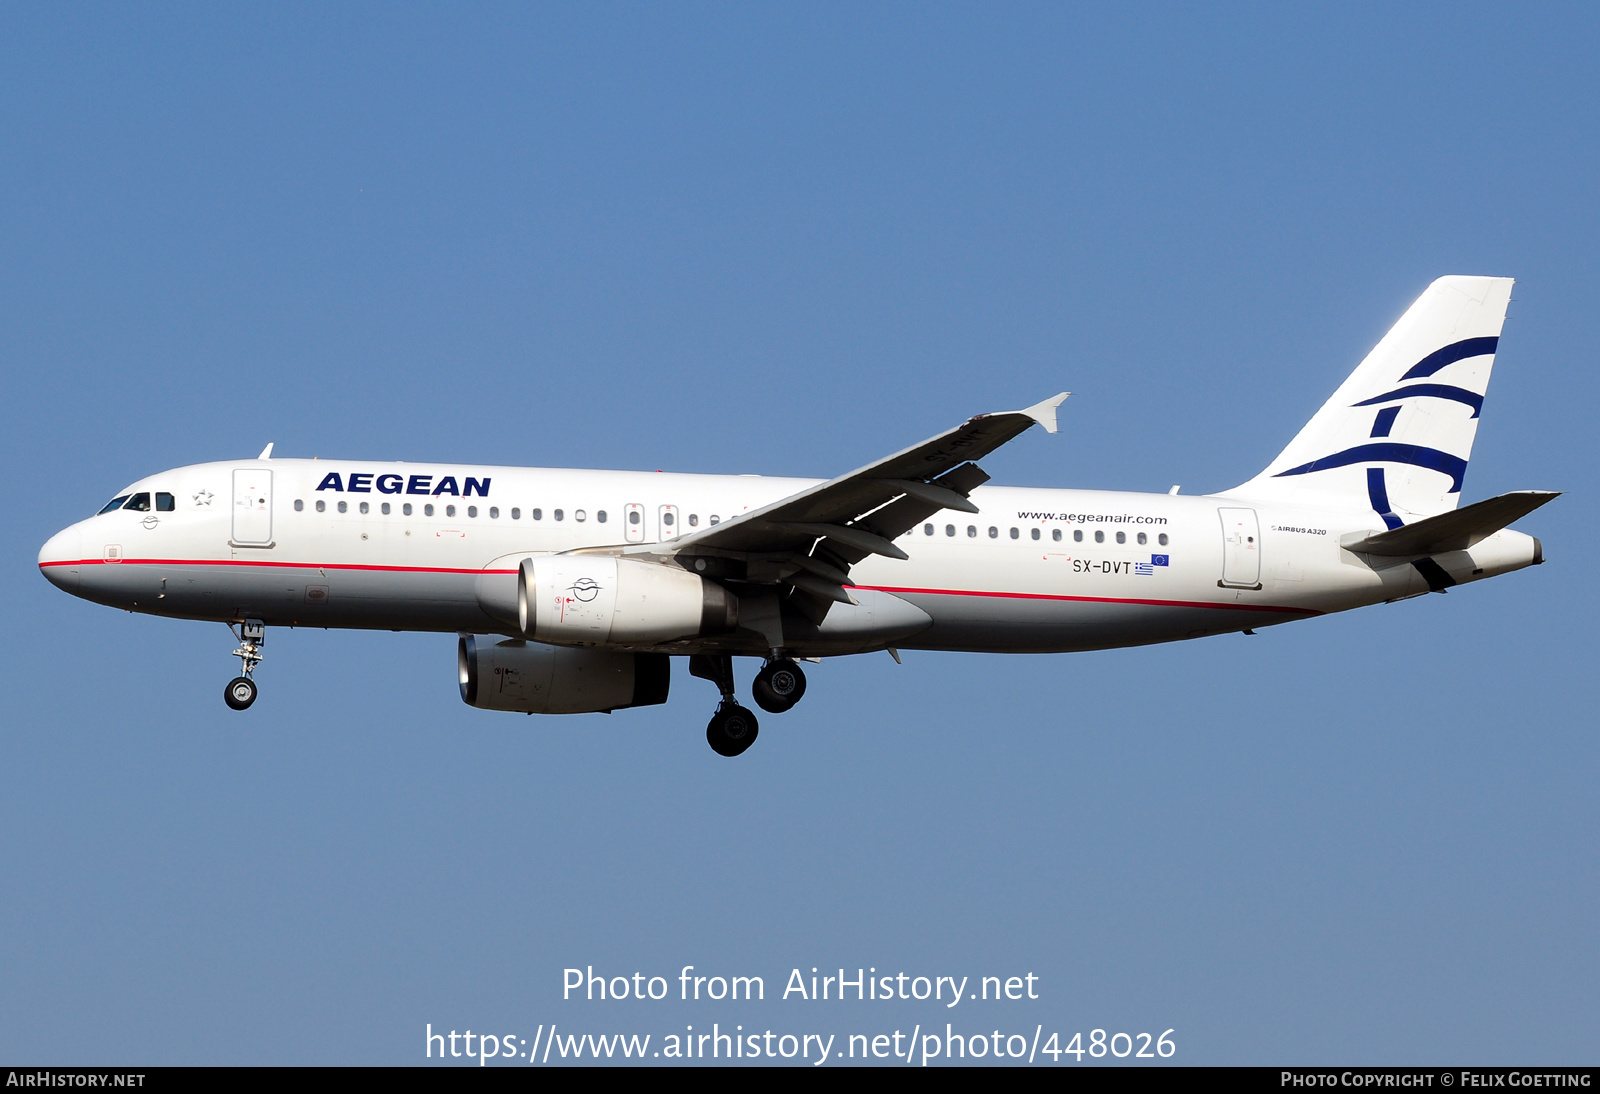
<point x="1064" y="626"/>
<point x="303" y="596"/>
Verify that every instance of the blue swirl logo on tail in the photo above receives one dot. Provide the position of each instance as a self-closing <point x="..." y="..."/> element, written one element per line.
<point x="1449" y="355"/>
<point x="1389" y="452"/>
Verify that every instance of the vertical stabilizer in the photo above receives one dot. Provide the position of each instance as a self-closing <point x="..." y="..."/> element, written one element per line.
<point x="1398" y="433"/>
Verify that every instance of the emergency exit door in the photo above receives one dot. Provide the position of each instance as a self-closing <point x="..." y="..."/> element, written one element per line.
<point x="633" y="523"/>
<point x="1241" y="549"/>
<point x="252" y="507"/>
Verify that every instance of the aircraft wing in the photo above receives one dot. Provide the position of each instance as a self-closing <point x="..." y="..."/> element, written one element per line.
<point x="809" y="540"/>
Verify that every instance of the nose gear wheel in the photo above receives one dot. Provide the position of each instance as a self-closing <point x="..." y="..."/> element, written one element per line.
<point x="240" y="692"/>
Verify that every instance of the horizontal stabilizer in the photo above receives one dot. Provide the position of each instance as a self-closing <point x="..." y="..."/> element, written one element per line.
<point x="1456" y="530"/>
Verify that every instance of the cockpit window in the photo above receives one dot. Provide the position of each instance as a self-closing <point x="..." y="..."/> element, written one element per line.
<point x="139" y="503"/>
<point x="165" y="503"/>
<point x="114" y="503"/>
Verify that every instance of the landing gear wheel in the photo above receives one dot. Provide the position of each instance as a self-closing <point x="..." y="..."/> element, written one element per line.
<point x="732" y="730"/>
<point x="779" y="686"/>
<point x="240" y="692"/>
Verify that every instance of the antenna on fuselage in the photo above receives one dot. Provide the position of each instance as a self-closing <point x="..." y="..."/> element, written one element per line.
<point x="266" y="453"/>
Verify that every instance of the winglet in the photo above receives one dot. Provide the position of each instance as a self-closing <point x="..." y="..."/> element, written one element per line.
<point x="266" y="453"/>
<point x="1045" y="413"/>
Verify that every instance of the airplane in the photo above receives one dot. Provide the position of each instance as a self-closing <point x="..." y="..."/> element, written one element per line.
<point x="571" y="590"/>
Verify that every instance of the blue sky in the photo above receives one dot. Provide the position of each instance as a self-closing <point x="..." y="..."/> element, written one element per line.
<point x="787" y="240"/>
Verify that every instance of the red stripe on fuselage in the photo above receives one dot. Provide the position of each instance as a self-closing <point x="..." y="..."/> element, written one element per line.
<point x="1095" y="599"/>
<point x="874" y="588"/>
<point x="254" y="562"/>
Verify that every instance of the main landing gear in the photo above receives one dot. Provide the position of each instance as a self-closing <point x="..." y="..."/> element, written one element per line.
<point x="778" y="686"/>
<point x="733" y="728"/>
<point x="241" y="690"/>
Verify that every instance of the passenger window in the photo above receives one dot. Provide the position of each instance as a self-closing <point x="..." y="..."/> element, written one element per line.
<point x="972" y="531"/>
<point x="472" y="510"/>
<point x="633" y="516"/>
<point x="139" y="503"/>
<point x="1122" y="537"/>
<point x="949" y="529"/>
<point x="365" y="508"/>
<point x="1099" y="537"/>
<point x="165" y="503"/>
<point x="715" y="519"/>
<point x="1077" y="535"/>
<point x="1143" y="539"/>
<point x="427" y="510"/>
<point x="559" y="514"/>
<point x="1014" y="533"/>
<point x="1055" y="534"/>
<point x="579" y="515"/>
<point x="537" y="514"/>
<point x="1036" y="533"/>
<point x="666" y="518"/>
<point x="322" y="506"/>
<point x="516" y="514"/>
<point x="449" y="510"/>
<point x="927" y="529"/>
<point x="344" y="507"/>
<point x="114" y="503"/>
<point x="494" y="512"/>
<point x="694" y="520"/>
<point x="1162" y="539"/>
<point x="298" y="505"/>
<point x="406" y="509"/>
<point x="385" y="508"/>
<point x="600" y="516"/>
<point x="994" y="533"/>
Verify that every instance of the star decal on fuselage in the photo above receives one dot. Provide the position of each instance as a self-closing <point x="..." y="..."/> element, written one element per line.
<point x="203" y="498"/>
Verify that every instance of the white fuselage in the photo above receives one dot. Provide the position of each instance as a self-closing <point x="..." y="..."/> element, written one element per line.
<point x="1034" y="570"/>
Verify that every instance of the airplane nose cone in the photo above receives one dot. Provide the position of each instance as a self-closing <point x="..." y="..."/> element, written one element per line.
<point x="60" y="559"/>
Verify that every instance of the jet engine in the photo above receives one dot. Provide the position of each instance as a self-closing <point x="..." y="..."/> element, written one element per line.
<point x="600" y="600"/>
<point x="534" y="678"/>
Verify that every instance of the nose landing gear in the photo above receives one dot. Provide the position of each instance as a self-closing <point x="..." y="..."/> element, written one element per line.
<point x="241" y="690"/>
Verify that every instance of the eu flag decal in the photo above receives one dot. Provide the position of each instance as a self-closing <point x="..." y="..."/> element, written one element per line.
<point x="1158" y="560"/>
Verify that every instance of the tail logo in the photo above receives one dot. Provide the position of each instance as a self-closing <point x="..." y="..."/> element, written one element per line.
<point x="1389" y="452"/>
<point x="1386" y="451"/>
<point x="1449" y="355"/>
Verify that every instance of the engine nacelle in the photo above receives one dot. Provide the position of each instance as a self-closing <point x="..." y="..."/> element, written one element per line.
<point x="599" y="600"/>
<point x="533" y="678"/>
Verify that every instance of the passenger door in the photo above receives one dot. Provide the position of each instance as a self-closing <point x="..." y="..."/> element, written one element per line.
<point x="1241" y="549"/>
<point x="252" y="507"/>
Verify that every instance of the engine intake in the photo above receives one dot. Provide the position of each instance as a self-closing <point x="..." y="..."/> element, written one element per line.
<point x="534" y="678"/>
<point x="600" y="600"/>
